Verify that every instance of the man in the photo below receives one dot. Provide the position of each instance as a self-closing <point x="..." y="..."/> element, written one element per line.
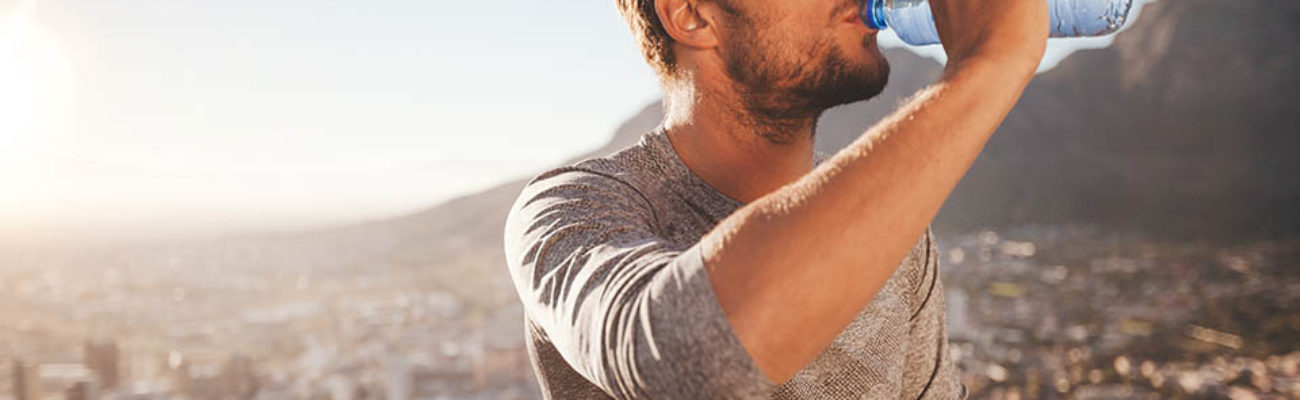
<point x="720" y="258"/>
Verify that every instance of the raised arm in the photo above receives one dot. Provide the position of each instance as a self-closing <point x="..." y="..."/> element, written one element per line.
<point x="793" y="268"/>
<point x="774" y="283"/>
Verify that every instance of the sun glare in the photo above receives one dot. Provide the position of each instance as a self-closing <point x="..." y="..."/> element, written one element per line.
<point x="36" y="84"/>
<point x="36" y="99"/>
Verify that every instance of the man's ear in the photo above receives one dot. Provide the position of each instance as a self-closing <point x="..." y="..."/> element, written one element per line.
<point x="687" y="24"/>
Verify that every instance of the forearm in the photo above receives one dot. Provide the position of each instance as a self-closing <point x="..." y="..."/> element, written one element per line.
<point x="793" y="269"/>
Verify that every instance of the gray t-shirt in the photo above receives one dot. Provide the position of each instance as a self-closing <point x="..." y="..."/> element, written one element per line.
<point x="618" y="303"/>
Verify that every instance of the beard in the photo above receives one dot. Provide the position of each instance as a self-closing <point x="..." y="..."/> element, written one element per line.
<point x="783" y="89"/>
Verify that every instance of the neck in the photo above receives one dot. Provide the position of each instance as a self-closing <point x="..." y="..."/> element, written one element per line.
<point x="740" y="152"/>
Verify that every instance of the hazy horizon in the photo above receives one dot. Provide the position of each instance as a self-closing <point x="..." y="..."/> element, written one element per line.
<point x="249" y="200"/>
<point x="168" y="119"/>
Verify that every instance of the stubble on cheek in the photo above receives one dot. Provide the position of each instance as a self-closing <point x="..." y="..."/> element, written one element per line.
<point x="783" y="79"/>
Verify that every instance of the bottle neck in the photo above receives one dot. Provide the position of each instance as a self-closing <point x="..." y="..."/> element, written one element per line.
<point x="872" y="13"/>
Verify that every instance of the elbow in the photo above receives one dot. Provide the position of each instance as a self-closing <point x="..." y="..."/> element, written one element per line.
<point x="777" y="365"/>
<point x="777" y="374"/>
<point x="778" y="354"/>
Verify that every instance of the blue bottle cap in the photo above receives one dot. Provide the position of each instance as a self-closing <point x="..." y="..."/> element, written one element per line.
<point x="872" y="13"/>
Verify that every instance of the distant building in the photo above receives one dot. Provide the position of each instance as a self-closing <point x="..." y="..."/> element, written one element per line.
<point x="62" y="378"/>
<point x="959" y="321"/>
<point x="207" y="378"/>
<point x="103" y="359"/>
<point x="27" y="382"/>
<point x="399" y="382"/>
<point x="240" y="377"/>
<point x="84" y="390"/>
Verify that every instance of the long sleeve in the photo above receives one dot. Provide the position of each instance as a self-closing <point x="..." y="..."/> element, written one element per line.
<point x="629" y="311"/>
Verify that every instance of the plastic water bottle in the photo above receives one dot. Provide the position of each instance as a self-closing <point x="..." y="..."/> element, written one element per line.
<point x="912" y="21"/>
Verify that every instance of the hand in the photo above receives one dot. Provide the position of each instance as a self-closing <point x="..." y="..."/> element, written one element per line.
<point x="1012" y="33"/>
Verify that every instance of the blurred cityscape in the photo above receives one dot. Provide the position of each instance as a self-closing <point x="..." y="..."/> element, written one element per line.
<point x="1052" y="313"/>
<point x="1176" y="129"/>
<point x="1034" y="313"/>
<point x="209" y="321"/>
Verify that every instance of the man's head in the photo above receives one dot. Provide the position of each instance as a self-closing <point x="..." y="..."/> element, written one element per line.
<point x="786" y="59"/>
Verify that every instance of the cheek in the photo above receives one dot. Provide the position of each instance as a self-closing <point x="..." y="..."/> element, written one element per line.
<point x="808" y="12"/>
<point x="804" y="31"/>
<point x="791" y="45"/>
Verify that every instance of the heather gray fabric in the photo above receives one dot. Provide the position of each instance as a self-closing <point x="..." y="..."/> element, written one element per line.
<point x="617" y="301"/>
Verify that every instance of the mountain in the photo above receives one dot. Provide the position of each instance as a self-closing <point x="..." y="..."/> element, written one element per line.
<point x="455" y="246"/>
<point x="1186" y="127"/>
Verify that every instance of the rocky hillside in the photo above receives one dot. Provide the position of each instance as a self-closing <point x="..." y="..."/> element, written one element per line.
<point x="1187" y="127"/>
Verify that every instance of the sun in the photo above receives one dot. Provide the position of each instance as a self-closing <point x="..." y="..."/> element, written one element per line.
<point x="36" y="84"/>
<point x="36" y="101"/>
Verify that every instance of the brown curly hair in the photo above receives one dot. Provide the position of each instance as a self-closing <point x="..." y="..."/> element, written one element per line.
<point x="655" y="43"/>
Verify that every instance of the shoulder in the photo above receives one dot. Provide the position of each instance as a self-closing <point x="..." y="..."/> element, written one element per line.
<point x="615" y="188"/>
<point x="630" y="177"/>
<point x="579" y="192"/>
<point x="614" y="178"/>
<point x="575" y="208"/>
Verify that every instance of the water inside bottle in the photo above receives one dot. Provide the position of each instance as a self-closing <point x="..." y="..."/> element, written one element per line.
<point x="914" y="24"/>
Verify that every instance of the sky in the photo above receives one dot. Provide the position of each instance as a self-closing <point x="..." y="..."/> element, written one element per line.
<point x="164" y="118"/>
